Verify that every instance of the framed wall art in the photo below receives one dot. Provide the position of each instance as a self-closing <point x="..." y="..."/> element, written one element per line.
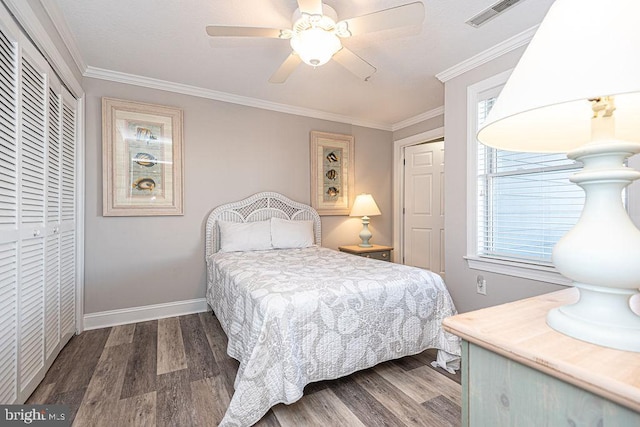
<point x="332" y="173"/>
<point x="141" y="159"/>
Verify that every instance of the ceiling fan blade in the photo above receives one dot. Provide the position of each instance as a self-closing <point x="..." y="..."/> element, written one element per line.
<point x="401" y="16"/>
<point x="312" y="7"/>
<point x="287" y="67"/>
<point x="223" y="31"/>
<point x="354" y="63"/>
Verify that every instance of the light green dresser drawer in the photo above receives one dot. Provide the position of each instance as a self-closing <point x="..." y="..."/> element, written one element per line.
<point x="502" y="392"/>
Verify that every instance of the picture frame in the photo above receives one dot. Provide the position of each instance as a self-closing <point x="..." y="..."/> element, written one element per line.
<point x="332" y="172"/>
<point x="142" y="159"/>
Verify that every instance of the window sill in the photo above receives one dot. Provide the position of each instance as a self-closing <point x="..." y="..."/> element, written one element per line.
<point x="542" y="273"/>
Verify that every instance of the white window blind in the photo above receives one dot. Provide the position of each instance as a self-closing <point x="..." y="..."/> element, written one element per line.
<point x="526" y="202"/>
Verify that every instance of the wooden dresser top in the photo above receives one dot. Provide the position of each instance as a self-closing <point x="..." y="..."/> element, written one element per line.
<point x="518" y="331"/>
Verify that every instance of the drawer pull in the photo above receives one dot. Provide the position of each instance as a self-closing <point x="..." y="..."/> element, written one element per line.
<point x="384" y="255"/>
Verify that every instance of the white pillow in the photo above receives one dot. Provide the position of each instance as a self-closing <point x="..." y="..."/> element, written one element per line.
<point x="291" y="234"/>
<point x="244" y="236"/>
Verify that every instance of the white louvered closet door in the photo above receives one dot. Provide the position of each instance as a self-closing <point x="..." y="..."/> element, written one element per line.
<point x="31" y="214"/>
<point x="68" y="224"/>
<point x="37" y="215"/>
<point x="60" y="254"/>
<point x="8" y="217"/>
<point x="52" y="245"/>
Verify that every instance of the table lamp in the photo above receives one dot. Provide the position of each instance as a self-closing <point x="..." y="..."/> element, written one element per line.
<point x="365" y="207"/>
<point x="576" y="89"/>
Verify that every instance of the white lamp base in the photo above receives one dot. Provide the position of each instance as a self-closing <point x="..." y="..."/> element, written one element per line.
<point x="365" y="234"/>
<point x="602" y="316"/>
<point x="601" y="253"/>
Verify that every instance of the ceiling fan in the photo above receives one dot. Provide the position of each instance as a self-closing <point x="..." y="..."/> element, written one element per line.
<point x="316" y="33"/>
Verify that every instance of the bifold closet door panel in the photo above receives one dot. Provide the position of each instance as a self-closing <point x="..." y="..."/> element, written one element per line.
<point x="68" y="225"/>
<point x="52" y="249"/>
<point x="31" y="214"/>
<point x="8" y="217"/>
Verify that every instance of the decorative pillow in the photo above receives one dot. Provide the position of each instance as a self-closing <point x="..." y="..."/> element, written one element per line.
<point x="244" y="236"/>
<point x="291" y="234"/>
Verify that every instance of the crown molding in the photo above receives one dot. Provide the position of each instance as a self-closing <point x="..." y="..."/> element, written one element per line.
<point x="57" y="18"/>
<point x="93" y="72"/>
<point x="500" y="49"/>
<point x="439" y="111"/>
<point x="151" y="83"/>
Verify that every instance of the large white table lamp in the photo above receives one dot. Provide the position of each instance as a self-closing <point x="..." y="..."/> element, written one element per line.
<point x="576" y="89"/>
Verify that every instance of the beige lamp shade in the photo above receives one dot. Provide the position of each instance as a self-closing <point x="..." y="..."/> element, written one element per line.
<point x="364" y="205"/>
<point x="584" y="49"/>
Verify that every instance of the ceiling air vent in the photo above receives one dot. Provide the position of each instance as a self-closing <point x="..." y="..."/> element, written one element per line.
<point x="491" y="12"/>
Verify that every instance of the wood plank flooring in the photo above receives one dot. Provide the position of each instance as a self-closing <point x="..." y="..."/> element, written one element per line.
<point x="175" y="372"/>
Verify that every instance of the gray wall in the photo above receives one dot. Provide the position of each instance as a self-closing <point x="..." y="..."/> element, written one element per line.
<point x="461" y="280"/>
<point x="231" y="152"/>
<point x="415" y="129"/>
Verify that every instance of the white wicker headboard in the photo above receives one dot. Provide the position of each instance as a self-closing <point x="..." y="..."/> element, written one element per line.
<point x="259" y="207"/>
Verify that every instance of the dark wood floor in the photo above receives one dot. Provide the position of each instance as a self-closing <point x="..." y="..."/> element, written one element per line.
<point x="175" y="372"/>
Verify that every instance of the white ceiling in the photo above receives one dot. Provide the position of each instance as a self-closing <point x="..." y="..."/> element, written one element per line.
<point x="166" y="40"/>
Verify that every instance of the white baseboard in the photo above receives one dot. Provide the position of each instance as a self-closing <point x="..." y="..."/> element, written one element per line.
<point x="104" y="319"/>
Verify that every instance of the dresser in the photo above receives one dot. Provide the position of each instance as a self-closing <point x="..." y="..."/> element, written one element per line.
<point x="516" y="371"/>
<point x="375" y="251"/>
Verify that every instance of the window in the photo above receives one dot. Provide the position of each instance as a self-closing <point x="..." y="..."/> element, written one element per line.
<point x="525" y="201"/>
<point x="519" y="204"/>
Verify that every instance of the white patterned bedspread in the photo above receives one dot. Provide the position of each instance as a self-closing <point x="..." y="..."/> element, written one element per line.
<point x="296" y="316"/>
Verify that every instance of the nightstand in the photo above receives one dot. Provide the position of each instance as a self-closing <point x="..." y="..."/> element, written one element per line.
<point x="376" y="251"/>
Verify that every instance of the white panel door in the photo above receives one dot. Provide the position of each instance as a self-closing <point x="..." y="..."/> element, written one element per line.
<point x="423" y="226"/>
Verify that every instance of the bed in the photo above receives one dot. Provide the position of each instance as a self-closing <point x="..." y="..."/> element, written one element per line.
<point x="300" y="313"/>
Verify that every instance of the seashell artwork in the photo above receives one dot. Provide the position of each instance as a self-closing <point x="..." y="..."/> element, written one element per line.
<point x="145" y="159"/>
<point x="144" y="184"/>
<point x="332" y="175"/>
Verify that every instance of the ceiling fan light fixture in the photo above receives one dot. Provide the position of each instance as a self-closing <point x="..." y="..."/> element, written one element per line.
<point x="316" y="33"/>
<point x="315" y="46"/>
